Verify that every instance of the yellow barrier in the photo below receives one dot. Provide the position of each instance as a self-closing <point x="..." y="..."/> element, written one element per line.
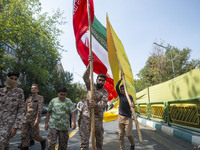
<point x="157" y="111"/>
<point x="186" y="114"/>
<point x="136" y="109"/>
<point x="143" y="110"/>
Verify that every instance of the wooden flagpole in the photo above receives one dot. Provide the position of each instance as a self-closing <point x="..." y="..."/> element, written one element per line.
<point x="129" y="101"/>
<point x="91" y="81"/>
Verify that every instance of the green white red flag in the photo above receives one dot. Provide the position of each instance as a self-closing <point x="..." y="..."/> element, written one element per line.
<point x="99" y="42"/>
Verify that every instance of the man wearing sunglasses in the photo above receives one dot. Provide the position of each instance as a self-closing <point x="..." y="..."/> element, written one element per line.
<point x="98" y="104"/>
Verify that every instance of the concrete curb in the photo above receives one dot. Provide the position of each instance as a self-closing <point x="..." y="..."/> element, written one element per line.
<point x="187" y="136"/>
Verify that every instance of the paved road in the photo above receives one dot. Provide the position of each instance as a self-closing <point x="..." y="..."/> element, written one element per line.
<point x="152" y="139"/>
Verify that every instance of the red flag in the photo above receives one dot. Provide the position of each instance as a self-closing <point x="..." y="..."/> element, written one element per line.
<point x="80" y="18"/>
<point x="80" y="23"/>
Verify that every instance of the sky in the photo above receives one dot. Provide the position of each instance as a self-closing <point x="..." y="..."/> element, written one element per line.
<point x="138" y="24"/>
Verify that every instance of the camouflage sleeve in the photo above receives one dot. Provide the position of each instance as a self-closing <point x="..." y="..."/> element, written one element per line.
<point x="25" y="105"/>
<point x="102" y="104"/>
<point x="40" y="107"/>
<point x="86" y="77"/>
<point x="21" y="111"/>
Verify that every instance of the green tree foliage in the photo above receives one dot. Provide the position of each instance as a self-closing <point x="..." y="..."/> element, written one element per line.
<point x="74" y="90"/>
<point x="6" y="62"/>
<point x="158" y="67"/>
<point x="61" y="79"/>
<point x="77" y="91"/>
<point x="57" y="79"/>
<point x="35" y="38"/>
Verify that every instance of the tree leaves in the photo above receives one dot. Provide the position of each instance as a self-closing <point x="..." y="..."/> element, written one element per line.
<point x="158" y="67"/>
<point x="35" y="40"/>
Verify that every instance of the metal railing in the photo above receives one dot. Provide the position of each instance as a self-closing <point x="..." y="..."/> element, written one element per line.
<point x="184" y="113"/>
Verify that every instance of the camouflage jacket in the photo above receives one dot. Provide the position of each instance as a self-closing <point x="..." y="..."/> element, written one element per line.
<point x="100" y="97"/>
<point x="11" y="110"/>
<point x="34" y="106"/>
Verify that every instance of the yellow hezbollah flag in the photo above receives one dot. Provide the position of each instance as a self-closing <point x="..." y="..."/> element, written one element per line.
<point x="117" y="53"/>
<point x="111" y="114"/>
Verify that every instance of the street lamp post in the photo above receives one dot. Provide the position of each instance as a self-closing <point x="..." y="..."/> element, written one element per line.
<point x="171" y="56"/>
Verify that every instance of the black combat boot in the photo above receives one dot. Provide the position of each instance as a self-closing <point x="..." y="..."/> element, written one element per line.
<point x="31" y="143"/>
<point x="43" y="144"/>
<point x="132" y="147"/>
<point x="24" y="148"/>
<point x="19" y="146"/>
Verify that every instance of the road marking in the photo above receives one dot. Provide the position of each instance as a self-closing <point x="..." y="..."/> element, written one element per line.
<point x="70" y="136"/>
<point x="73" y="132"/>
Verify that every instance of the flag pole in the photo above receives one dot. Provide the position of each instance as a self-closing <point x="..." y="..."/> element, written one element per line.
<point x="91" y="81"/>
<point x="129" y="101"/>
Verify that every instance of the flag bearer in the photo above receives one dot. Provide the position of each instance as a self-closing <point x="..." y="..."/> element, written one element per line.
<point x="125" y="123"/>
<point x="98" y="103"/>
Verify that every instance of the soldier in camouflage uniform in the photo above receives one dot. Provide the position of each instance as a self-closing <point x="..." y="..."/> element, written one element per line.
<point x="59" y="109"/>
<point x="99" y="103"/>
<point x="80" y="107"/>
<point x="34" y="106"/>
<point x="11" y="109"/>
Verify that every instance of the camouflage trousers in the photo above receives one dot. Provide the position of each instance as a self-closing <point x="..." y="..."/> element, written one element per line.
<point x="4" y="146"/>
<point x="62" y="136"/>
<point x="5" y="129"/>
<point x="34" y="130"/>
<point x="79" y="118"/>
<point x="85" y="128"/>
<point x="125" y="124"/>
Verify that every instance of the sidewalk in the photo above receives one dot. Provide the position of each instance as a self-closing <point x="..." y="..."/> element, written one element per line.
<point x="172" y="131"/>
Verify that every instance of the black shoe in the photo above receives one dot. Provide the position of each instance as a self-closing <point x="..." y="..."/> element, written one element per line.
<point x="24" y="148"/>
<point x="43" y="144"/>
<point x="32" y="142"/>
<point x="132" y="147"/>
<point x="19" y="146"/>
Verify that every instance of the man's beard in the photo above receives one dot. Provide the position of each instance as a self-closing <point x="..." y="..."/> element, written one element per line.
<point x="99" y="86"/>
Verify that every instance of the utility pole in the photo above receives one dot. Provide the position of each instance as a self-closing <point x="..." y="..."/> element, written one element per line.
<point x="171" y="55"/>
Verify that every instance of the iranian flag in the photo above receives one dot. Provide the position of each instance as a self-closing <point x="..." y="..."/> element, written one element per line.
<point x="99" y="43"/>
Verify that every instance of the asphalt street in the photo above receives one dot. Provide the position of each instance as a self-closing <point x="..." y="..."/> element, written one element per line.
<point x="152" y="139"/>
